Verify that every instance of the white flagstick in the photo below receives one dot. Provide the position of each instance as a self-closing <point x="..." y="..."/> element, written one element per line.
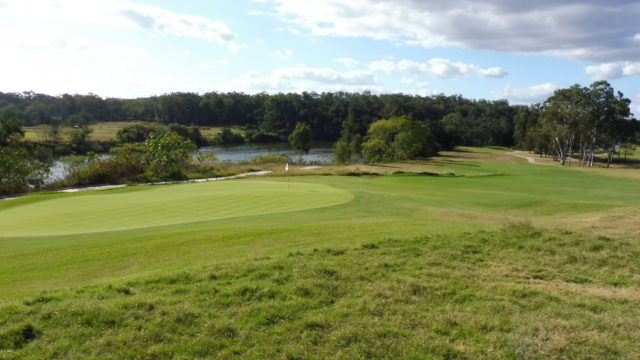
<point x="286" y="168"/>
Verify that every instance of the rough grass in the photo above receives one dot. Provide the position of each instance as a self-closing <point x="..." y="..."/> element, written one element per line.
<point x="212" y="131"/>
<point x="515" y="293"/>
<point x="101" y="131"/>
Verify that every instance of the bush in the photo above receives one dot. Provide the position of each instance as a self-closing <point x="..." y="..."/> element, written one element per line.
<point x="162" y="157"/>
<point x="300" y="138"/>
<point x="136" y="133"/>
<point x="227" y="137"/>
<point x="189" y="132"/>
<point x="341" y="151"/>
<point x="19" y="171"/>
<point x="262" y="137"/>
<point x="167" y="151"/>
<point x="398" y="138"/>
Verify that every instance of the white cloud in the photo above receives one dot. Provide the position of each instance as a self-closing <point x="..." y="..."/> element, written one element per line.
<point x="577" y="29"/>
<point x="72" y="65"/>
<point x="383" y="65"/>
<point x="526" y="95"/>
<point x="348" y="62"/>
<point x="604" y="71"/>
<point x="635" y="105"/>
<point x="637" y="37"/>
<point x="82" y="46"/>
<point x="298" y="79"/>
<point x="283" y="54"/>
<point x="407" y="80"/>
<point x="31" y="41"/>
<point x="631" y="68"/>
<point x="122" y="13"/>
<point x="166" y="21"/>
<point x="446" y="69"/>
<point x="611" y="71"/>
<point x="436" y="67"/>
<point x="494" y="72"/>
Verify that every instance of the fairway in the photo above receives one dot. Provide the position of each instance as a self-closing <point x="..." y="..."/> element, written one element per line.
<point x="495" y="258"/>
<point x="141" y="207"/>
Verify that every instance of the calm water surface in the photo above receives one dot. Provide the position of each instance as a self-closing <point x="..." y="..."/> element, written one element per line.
<point x="321" y="153"/>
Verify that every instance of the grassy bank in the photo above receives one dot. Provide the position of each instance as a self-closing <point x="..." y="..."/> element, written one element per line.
<point x="103" y="131"/>
<point x="505" y="294"/>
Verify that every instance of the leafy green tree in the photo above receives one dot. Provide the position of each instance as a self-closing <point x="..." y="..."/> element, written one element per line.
<point x="136" y="133"/>
<point x="454" y="130"/>
<point x="342" y="152"/>
<point x="300" y="138"/>
<point x="189" y="132"/>
<point x="130" y="159"/>
<point x="228" y="137"/>
<point x="168" y="151"/>
<point x="355" y="146"/>
<point x="81" y="119"/>
<point x="398" y="138"/>
<point x="585" y="119"/>
<point x="19" y="171"/>
<point x="79" y="139"/>
<point x="10" y="131"/>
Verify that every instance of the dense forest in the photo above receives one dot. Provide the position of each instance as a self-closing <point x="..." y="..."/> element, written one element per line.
<point x="273" y="117"/>
<point x="583" y="119"/>
<point x="579" y="124"/>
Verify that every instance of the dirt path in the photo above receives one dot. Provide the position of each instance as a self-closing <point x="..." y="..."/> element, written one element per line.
<point x="530" y="159"/>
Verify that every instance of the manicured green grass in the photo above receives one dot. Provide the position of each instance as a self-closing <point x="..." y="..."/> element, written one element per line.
<point x="516" y="293"/>
<point x="142" y="207"/>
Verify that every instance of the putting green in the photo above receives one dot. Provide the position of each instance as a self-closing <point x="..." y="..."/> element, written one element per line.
<point x="163" y="205"/>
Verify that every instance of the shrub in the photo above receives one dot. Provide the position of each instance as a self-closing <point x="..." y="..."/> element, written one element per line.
<point x="228" y="137"/>
<point x="398" y="138"/>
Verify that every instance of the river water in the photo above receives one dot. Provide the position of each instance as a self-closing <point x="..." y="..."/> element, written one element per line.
<point x="320" y="153"/>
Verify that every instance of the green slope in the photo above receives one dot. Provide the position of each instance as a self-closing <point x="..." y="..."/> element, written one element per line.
<point x="237" y="220"/>
<point x="519" y="293"/>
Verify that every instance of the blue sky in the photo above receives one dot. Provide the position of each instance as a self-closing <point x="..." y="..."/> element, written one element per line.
<point x="490" y="49"/>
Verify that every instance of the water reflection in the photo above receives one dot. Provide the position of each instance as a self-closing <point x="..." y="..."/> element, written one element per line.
<point x="320" y="153"/>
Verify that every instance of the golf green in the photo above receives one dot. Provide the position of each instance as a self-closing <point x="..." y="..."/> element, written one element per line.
<point x="109" y="210"/>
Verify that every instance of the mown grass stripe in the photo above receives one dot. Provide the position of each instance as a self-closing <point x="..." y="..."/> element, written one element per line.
<point x="173" y="204"/>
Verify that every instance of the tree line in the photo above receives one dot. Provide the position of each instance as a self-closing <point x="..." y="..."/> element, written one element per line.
<point x="577" y="123"/>
<point x="273" y="117"/>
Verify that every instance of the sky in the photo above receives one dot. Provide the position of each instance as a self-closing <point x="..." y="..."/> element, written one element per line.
<point x="483" y="49"/>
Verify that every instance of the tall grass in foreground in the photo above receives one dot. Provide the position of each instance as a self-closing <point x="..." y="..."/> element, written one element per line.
<point x="517" y="293"/>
